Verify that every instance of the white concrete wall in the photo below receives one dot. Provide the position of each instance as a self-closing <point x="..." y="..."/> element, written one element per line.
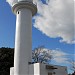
<point x="40" y="69"/>
<point x="31" y="69"/>
<point x="12" y="71"/>
<point x="23" y="42"/>
<point x="37" y="69"/>
<point x="61" y="70"/>
<point x="34" y="69"/>
<point x="43" y="69"/>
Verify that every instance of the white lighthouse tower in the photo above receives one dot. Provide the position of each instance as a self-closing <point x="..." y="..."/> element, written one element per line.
<point x="24" y="10"/>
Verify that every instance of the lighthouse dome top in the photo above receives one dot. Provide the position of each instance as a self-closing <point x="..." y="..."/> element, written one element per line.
<point x="18" y="4"/>
<point x="12" y="2"/>
<point x="27" y="4"/>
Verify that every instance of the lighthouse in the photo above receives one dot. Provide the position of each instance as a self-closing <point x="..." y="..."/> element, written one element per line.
<point x="24" y="10"/>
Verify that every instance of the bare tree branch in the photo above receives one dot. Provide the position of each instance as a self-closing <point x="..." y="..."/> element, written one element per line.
<point x="41" y="55"/>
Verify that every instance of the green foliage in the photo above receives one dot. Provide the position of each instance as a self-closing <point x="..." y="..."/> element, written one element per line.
<point x="6" y="60"/>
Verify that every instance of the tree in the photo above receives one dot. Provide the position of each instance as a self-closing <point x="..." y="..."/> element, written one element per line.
<point x="73" y="73"/>
<point x="39" y="54"/>
<point x="72" y="64"/>
<point x="42" y="55"/>
<point x="6" y="60"/>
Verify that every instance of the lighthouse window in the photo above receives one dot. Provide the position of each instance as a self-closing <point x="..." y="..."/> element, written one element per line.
<point x="18" y="12"/>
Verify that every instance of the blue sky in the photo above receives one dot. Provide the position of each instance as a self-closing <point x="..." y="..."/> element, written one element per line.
<point x="39" y="36"/>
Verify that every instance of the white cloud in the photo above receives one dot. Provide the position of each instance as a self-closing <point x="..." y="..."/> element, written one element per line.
<point x="58" y="55"/>
<point x="56" y="19"/>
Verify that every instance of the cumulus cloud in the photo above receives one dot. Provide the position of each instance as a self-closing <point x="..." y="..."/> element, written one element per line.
<point x="55" y="18"/>
<point x="59" y="56"/>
